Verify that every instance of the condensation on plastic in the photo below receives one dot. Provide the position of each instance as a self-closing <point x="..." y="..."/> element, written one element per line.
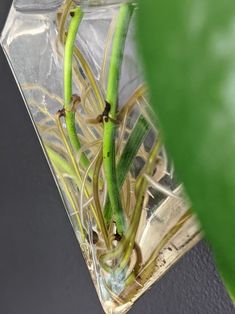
<point x="30" y="44"/>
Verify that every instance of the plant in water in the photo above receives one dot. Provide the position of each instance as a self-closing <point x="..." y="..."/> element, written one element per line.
<point x="128" y="211"/>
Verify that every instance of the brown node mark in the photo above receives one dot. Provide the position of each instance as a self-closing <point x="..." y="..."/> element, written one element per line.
<point x="104" y="116"/>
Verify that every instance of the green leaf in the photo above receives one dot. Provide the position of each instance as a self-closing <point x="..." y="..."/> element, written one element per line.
<point x="128" y="155"/>
<point x="188" y="50"/>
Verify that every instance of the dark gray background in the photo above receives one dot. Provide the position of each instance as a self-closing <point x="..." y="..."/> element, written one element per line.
<point x="41" y="267"/>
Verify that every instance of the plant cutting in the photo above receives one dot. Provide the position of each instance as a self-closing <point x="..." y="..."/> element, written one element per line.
<point x="84" y="88"/>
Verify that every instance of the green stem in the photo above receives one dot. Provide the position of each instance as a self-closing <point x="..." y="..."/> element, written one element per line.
<point x="68" y="61"/>
<point x="129" y="152"/>
<point x="126" y="245"/>
<point x="124" y="18"/>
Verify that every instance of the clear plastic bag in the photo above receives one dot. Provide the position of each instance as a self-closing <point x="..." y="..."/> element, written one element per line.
<point x="126" y="251"/>
<point x="36" y="5"/>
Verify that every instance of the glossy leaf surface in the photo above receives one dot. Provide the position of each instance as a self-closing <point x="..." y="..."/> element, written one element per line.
<point x="188" y="48"/>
